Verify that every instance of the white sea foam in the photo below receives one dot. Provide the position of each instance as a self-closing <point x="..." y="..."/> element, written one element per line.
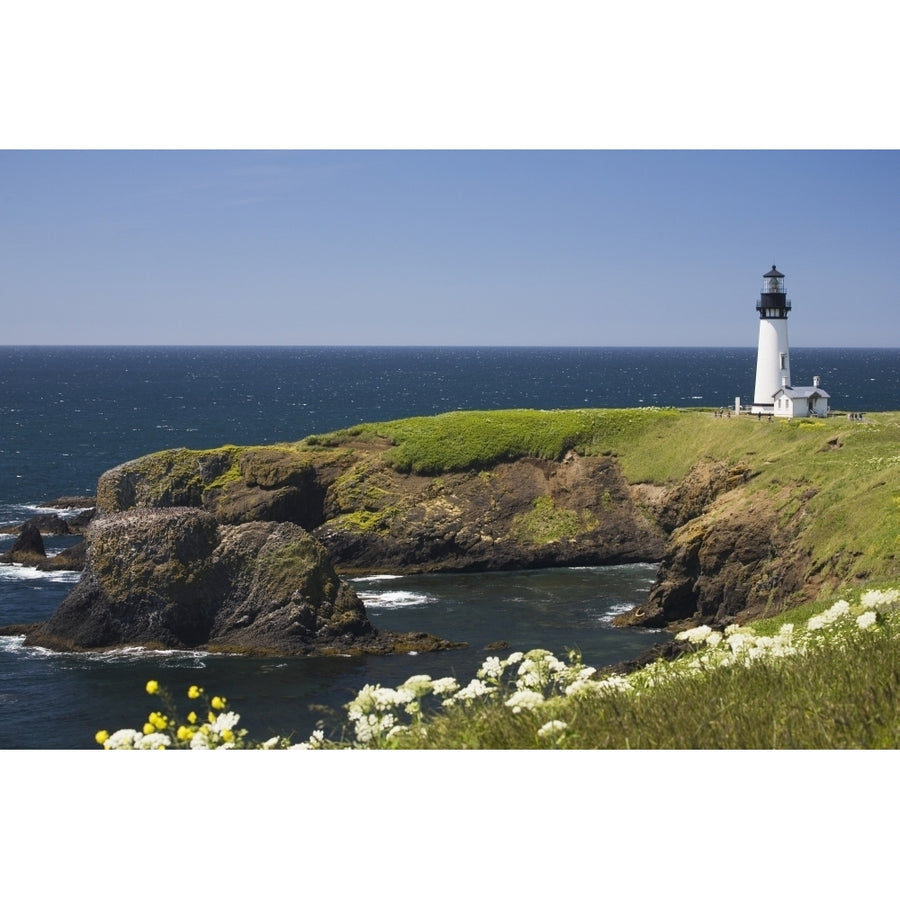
<point x="615" y="610"/>
<point x="164" y="658"/>
<point x="17" y="513"/>
<point x="17" y="572"/>
<point x="393" y="599"/>
<point x="28" y="510"/>
<point x="365" y="578"/>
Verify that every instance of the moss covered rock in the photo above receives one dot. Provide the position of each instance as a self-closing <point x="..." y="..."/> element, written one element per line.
<point x="176" y="578"/>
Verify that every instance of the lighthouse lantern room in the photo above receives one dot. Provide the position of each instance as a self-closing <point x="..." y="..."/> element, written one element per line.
<point x="773" y="361"/>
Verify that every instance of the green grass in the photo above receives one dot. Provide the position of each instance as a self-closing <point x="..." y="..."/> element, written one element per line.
<point x="546" y="523"/>
<point x="806" y="680"/>
<point x="843" y="477"/>
<point x="835" y="698"/>
<point x="839" y="690"/>
<point x="475" y="440"/>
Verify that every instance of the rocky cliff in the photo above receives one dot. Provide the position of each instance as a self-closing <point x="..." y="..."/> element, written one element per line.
<point x="745" y="518"/>
<point x="524" y="513"/>
<point x="176" y="578"/>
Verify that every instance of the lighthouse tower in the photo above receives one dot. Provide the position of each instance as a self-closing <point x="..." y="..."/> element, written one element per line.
<point x="773" y="362"/>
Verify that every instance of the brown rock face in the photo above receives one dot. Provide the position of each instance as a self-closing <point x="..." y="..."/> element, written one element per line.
<point x="724" y="556"/>
<point x="176" y="578"/>
<point x="522" y="514"/>
<point x="733" y="562"/>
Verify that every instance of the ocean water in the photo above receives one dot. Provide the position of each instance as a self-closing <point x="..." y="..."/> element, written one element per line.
<point x="68" y="414"/>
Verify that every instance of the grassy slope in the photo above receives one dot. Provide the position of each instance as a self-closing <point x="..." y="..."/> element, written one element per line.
<point x="850" y="470"/>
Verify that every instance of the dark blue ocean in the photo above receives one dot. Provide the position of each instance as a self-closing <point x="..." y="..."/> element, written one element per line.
<point x="68" y="414"/>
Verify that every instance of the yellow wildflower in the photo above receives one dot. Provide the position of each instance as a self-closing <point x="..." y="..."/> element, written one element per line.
<point x="228" y="735"/>
<point x="152" y="686"/>
<point x="194" y="692"/>
<point x="184" y="733"/>
<point x="192" y="717"/>
<point x="101" y="737"/>
<point x="217" y="703"/>
<point x="149" y="728"/>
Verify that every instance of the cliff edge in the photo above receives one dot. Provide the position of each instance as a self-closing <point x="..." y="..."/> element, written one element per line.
<point x="744" y="517"/>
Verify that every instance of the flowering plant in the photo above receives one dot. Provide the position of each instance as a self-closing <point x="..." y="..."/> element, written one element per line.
<point x="536" y="688"/>
<point x="217" y="729"/>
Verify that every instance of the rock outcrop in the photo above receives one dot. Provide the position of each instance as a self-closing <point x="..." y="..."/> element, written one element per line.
<point x="732" y="561"/>
<point x="28" y="548"/>
<point x="176" y="578"/>
<point x="722" y="556"/>
<point x="526" y="513"/>
<point x="70" y="560"/>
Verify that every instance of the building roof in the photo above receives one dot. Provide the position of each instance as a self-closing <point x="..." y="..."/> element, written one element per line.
<point x="773" y="273"/>
<point x="802" y="393"/>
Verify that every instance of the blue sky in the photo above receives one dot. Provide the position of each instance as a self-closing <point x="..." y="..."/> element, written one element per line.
<point x="460" y="247"/>
<point x="573" y="238"/>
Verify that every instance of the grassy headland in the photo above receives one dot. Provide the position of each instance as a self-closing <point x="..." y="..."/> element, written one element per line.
<point x="845" y="474"/>
<point x="824" y="674"/>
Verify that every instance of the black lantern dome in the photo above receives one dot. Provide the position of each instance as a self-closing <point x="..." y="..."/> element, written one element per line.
<point x="773" y="302"/>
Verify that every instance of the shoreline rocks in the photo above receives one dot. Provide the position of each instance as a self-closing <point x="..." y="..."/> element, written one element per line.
<point x="176" y="578"/>
<point x="28" y="548"/>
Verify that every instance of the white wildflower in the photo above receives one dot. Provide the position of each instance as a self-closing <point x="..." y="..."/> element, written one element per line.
<point x="737" y="640"/>
<point x="529" y="674"/>
<point x="200" y="740"/>
<point x="418" y="685"/>
<point x="370" y="727"/>
<point x="615" y="683"/>
<point x="524" y="700"/>
<point x="153" y="741"/>
<point x="123" y="739"/>
<point x="225" y="721"/>
<point x="474" y="689"/>
<point x="397" y="729"/>
<point x="375" y="698"/>
<point x="492" y="668"/>
<point x="583" y="688"/>
<point x="866" y="620"/>
<point x="694" y="635"/>
<point x="552" y="728"/>
<point x="874" y="599"/>
<point x="829" y="617"/>
<point x="444" y="686"/>
<point x="573" y="676"/>
<point x="316" y="741"/>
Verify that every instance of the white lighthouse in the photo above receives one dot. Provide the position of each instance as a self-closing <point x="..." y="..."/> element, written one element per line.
<point x="773" y="360"/>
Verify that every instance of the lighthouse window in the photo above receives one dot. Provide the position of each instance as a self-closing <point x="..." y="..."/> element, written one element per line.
<point x="783" y="357"/>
